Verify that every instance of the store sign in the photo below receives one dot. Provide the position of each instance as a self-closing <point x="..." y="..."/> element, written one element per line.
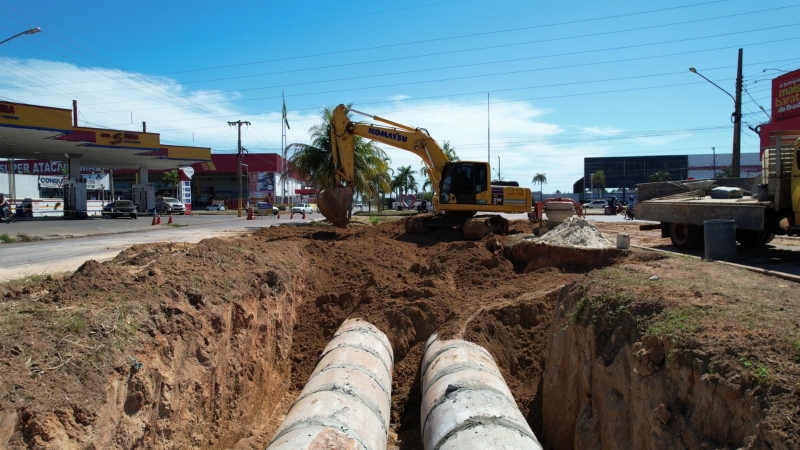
<point x="30" y="116"/>
<point x="786" y="96"/>
<point x="185" y="192"/>
<point x="51" y="182"/>
<point x="188" y="171"/>
<point x="96" y="182"/>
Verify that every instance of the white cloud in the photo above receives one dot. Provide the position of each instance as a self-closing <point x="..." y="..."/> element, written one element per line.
<point x="602" y="131"/>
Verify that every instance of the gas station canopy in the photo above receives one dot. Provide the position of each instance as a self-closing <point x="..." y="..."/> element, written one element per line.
<point x="41" y="132"/>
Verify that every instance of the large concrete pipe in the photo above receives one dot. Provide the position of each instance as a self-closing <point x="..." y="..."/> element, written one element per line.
<point x="345" y="403"/>
<point x="466" y="404"/>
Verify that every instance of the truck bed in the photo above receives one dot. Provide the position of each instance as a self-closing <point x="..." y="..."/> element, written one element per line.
<point x="747" y="212"/>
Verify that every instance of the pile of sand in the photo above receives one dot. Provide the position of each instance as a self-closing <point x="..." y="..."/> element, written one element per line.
<point x="576" y="232"/>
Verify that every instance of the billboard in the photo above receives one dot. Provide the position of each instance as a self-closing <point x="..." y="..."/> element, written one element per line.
<point x="262" y="185"/>
<point x="30" y="116"/>
<point x="786" y="96"/>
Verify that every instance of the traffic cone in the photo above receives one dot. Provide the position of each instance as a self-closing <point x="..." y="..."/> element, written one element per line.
<point x="158" y="220"/>
<point x="304" y="214"/>
<point x="279" y="214"/>
<point x="170" y="220"/>
<point x="154" y="220"/>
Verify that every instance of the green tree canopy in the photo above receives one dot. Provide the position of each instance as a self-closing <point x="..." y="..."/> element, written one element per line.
<point x="314" y="161"/>
<point x="661" y="175"/>
<point x="171" y="178"/>
<point x="599" y="181"/>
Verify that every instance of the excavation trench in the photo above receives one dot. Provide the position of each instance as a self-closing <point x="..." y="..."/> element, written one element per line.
<point x="221" y="363"/>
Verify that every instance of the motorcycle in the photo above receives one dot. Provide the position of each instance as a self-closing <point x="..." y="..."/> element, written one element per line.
<point x="629" y="214"/>
<point x="5" y="215"/>
<point x="613" y="210"/>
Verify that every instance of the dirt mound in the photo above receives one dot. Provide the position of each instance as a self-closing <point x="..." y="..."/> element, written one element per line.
<point x="574" y="245"/>
<point x="208" y="345"/>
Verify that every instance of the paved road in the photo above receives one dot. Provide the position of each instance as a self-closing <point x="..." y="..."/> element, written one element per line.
<point x="22" y="259"/>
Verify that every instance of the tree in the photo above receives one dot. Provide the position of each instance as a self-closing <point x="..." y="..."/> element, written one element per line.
<point x="725" y="172"/>
<point x="661" y="175"/>
<point x="171" y="179"/>
<point x="315" y="161"/>
<point x="540" y="178"/>
<point x="599" y="181"/>
<point x="450" y="152"/>
<point x="404" y="181"/>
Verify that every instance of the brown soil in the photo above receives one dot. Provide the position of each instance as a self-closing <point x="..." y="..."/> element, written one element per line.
<point x="207" y="345"/>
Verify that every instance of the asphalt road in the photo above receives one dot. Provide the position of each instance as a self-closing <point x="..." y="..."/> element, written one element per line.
<point x="23" y="259"/>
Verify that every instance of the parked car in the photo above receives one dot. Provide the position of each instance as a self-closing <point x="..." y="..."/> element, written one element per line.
<point x="265" y="208"/>
<point x="170" y="205"/>
<point x="215" y="208"/>
<point x="303" y="207"/>
<point x="598" y="204"/>
<point x="120" y="208"/>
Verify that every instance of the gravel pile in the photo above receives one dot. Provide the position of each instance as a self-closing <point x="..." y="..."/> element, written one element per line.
<point x="576" y="232"/>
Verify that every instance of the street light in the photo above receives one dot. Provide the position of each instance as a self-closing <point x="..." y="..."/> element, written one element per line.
<point x="31" y="31"/>
<point x="12" y="187"/>
<point x="737" y="116"/>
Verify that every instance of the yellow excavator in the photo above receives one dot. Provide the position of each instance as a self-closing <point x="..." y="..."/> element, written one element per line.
<point x="461" y="188"/>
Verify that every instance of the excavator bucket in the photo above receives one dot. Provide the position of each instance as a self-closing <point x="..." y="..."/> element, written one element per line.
<point x="335" y="204"/>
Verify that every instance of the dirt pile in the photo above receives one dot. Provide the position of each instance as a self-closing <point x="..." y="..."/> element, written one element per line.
<point x="207" y="345"/>
<point x="576" y="232"/>
<point x="574" y="245"/>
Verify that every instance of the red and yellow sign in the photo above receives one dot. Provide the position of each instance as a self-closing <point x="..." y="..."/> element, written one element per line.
<point x="39" y="117"/>
<point x="118" y="138"/>
<point x="786" y="96"/>
<point x="191" y="153"/>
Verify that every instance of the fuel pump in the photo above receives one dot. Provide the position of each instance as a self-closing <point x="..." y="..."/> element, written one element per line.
<point x="144" y="195"/>
<point x="75" y="198"/>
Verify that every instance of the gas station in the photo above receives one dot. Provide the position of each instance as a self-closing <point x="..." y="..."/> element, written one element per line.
<point x="51" y="135"/>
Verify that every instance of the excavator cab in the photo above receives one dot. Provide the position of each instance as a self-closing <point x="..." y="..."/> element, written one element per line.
<point x="462" y="181"/>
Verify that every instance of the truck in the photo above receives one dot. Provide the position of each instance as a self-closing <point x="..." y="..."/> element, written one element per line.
<point x="461" y="188"/>
<point x="761" y="207"/>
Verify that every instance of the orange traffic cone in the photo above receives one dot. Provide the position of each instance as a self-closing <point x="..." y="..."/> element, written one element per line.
<point x="154" y="220"/>
<point x="170" y="220"/>
<point x="304" y="214"/>
<point x="158" y="220"/>
<point x="279" y="214"/>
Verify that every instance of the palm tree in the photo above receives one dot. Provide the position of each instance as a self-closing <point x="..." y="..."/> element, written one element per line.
<point x="540" y="178"/>
<point x="171" y="178"/>
<point x="599" y="180"/>
<point x="661" y="175"/>
<point x="404" y="181"/>
<point x="450" y="152"/>
<point x="315" y="161"/>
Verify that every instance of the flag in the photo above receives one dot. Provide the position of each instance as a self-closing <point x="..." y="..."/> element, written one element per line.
<point x="285" y="120"/>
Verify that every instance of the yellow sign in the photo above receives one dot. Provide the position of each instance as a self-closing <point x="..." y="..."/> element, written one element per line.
<point x="128" y="139"/>
<point x="190" y="153"/>
<point x="39" y="117"/>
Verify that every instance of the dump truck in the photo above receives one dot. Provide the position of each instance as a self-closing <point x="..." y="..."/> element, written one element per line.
<point x="461" y="188"/>
<point x="762" y="207"/>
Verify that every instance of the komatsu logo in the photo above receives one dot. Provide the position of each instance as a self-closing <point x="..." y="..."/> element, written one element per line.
<point x="388" y="135"/>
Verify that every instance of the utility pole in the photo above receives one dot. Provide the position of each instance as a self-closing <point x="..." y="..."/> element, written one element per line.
<point x="737" y="122"/>
<point x="239" y="124"/>
<point x="488" y="132"/>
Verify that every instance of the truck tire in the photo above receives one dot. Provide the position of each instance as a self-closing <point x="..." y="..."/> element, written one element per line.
<point x="753" y="238"/>
<point x="685" y="236"/>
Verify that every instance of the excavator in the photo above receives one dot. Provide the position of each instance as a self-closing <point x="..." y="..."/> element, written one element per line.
<point x="461" y="188"/>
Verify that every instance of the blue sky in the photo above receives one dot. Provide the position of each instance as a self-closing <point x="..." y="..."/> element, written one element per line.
<point x="565" y="80"/>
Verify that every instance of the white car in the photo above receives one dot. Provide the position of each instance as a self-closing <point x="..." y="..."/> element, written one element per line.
<point x="594" y="204"/>
<point x="215" y="208"/>
<point x="303" y="207"/>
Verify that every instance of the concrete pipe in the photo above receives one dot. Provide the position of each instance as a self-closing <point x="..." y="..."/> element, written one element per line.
<point x="466" y="404"/>
<point x="345" y="403"/>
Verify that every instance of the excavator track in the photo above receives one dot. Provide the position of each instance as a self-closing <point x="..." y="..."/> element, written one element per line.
<point x="477" y="227"/>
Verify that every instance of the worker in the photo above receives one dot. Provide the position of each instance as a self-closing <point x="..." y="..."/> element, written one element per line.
<point x="613" y="202"/>
<point x="3" y="206"/>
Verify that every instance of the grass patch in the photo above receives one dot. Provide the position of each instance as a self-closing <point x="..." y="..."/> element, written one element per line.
<point x="6" y="238"/>
<point x="75" y="322"/>
<point x="374" y="219"/>
<point x="677" y="324"/>
<point x="176" y="225"/>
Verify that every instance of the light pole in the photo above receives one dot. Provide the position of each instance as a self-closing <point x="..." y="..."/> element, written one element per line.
<point x="11" y="182"/>
<point x="714" y="162"/>
<point x="31" y="31"/>
<point x="737" y="116"/>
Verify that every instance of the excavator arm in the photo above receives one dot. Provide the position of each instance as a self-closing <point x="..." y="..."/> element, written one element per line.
<point x="334" y="203"/>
